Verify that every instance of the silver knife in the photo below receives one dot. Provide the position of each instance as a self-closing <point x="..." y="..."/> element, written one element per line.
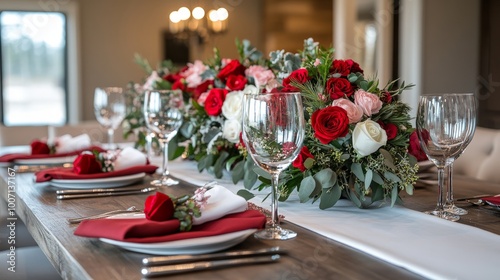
<point x="197" y="266"/>
<point x="476" y="197"/>
<point x="164" y="260"/>
<point x="100" y="190"/>
<point x="88" y="195"/>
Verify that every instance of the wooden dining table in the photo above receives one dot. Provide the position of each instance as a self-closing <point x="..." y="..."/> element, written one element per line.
<point x="308" y="256"/>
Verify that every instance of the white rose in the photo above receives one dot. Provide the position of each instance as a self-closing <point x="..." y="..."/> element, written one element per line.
<point x="232" y="108"/>
<point x="368" y="137"/>
<point x="232" y="130"/>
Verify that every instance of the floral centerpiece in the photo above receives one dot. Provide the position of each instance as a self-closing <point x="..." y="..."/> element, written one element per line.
<point x="357" y="133"/>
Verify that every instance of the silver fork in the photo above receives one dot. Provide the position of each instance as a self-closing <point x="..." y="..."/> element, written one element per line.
<point x="131" y="209"/>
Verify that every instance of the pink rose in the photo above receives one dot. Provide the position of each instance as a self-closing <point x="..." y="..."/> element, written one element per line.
<point x="193" y="73"/>
<point x="354" y="112"/>
<point x="261" y="75"/>
<point x="369" y="102"/>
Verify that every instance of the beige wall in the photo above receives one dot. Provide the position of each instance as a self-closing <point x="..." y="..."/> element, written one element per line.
<point x="111" y="31"/>
<point x="450" y="46"/>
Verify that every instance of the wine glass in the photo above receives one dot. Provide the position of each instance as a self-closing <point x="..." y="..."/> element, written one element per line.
<point x="273" y="132"/>
<point x="469" y="106"/>
<point x="109" y="109"/>
<point x="163" y="114"/>
<point x="442" y="128"/>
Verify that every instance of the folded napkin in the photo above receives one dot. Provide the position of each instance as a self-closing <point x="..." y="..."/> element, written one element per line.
<point x="129" y="157"/>
<point x="21" y="156"/>
<point x="220" y="202"/>
<point x="147" y="231"/>
<point x="68" y="173"/>
<point x="67" y="143"/>
<point x="492" y="200"/>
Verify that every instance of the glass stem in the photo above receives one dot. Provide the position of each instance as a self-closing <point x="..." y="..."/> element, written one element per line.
<point x="440" y="204"/>
<point x="111" y="133"/>
<point x="165" y="158"/>
<point x="449" y="195"/>
<point x="149" y="144"/>
<point x="275" y="219"/>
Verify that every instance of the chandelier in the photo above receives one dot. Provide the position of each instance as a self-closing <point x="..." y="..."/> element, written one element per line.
<point x="185" y="23"/>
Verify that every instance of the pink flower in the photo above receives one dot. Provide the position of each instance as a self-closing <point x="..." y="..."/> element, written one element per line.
<point x="317" y="62"/>
<point x="202" y="98"/>
<point x="354" y="112"/>
<point x="193" y="73"/>
<point x="261" y="75"/>
<point x="369" y="102"/>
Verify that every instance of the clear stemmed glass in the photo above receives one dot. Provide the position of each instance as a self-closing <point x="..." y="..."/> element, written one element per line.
<point x="273" y="132"/>
<point x="442" y="129"/>
<point x="109" y="109"/>
<point x="469" y="106"/>
<point x="163" y="112"/>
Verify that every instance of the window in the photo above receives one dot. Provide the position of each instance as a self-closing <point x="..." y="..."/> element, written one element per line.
<point x="34" y="68"/>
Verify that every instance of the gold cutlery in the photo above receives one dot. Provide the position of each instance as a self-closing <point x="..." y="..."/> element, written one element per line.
<point x="154" y="271"/>
<point x="109" y="193"/>
<point x="169" y="260"/>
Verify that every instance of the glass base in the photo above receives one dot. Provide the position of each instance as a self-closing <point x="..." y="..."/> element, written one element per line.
<point x="275" y="233"/>
<point x="443" y="215"/>
<point x="164" y="181"/>
<point x="455" y="210"/>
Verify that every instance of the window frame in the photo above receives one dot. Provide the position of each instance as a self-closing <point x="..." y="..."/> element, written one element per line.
<point x="65" y="66"/>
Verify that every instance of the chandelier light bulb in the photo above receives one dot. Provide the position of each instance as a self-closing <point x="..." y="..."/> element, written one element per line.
<point x="198" y="13"/>
<point x="184" y="13"/>
<point x="213" y="15"/>
<point x="175" y="17"/>
<point x="222" y="14"/>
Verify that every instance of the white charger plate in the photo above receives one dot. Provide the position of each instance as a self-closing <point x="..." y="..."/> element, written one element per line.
<point x="193" y="246"/>
<point x="110" y="182"/>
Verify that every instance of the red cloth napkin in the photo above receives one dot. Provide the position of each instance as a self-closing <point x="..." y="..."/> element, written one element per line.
<point x="147" y="231"/>
<point x="16" y="156"/>
<point x="494" y="200"/>
<point x="67" y="173"/>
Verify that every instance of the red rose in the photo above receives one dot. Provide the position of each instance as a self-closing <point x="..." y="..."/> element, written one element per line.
<point x="179" y="84"/>
<point x="415" y="149"/>
<point x="354" y="66"/>
<point x="236" y="82"/>
<point x="300" y="76"/>
<point x="172" y="78"/>
<point x="159" y="207"/>
<point x="39" y="148"/>
<point x="86" y="163"/>
<point x="341" y="67"/>
<point x="390" y="129"/>
<point x="215" y="100"/>
<point x="330" y="123"/>
<point x="234" y="67"/>
<point x="345" y="67"/>
<point x="386" y="97"/>
<point x="299" y="161"/>
<point x="202" y="88"/>
<point x="338" y="87"/>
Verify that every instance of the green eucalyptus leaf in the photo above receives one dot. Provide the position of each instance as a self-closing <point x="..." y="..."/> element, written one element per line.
<point x="307" y="187"/>
<point x="187" y="129"/>
<point x="377" y="178"/>
<point x="377" y="193"/>
<point x="238" y="172"/>
<point x="358" y="171"/>
<point x="326" y="178"/>
<point x="329" y="197"/>
<point x="308" y="163"/>
<point x="245" y="194"/>
<point x="354" y="198"/>
<point x="230" y="162"/>
<point x="249" y="178"/>
<point x="391" y="176"/>
<point x="409" y="189"/>
<point x="219" y="164"/>
<point x="260" y="172"/>
<point x="388" y="160"/>
<point x="345" y="157"/>
<point x="368" y="178"/>
<point x="394" y="196"/>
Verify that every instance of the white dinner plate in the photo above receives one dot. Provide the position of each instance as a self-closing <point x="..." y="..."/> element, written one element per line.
<point x="111" y="182"/>
<point x="46" y="161"/>
<point x="193" y="246"/>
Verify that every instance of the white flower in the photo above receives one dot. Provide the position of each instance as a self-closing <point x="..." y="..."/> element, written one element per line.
<point x="250" y="89"/>
<point x="232" y="130"/>
<point x="232" y="108"/>
<point x="368" y="137"/>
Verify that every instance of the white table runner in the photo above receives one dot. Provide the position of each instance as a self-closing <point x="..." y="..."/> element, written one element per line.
<point x="423" y="244"/>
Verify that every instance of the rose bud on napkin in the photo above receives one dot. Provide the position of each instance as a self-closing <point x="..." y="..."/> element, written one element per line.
<point x="66" y="143"/>
<point x="86" y="163"/>
<point x="39" y="148"/>
<point x="159" y="207"/>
